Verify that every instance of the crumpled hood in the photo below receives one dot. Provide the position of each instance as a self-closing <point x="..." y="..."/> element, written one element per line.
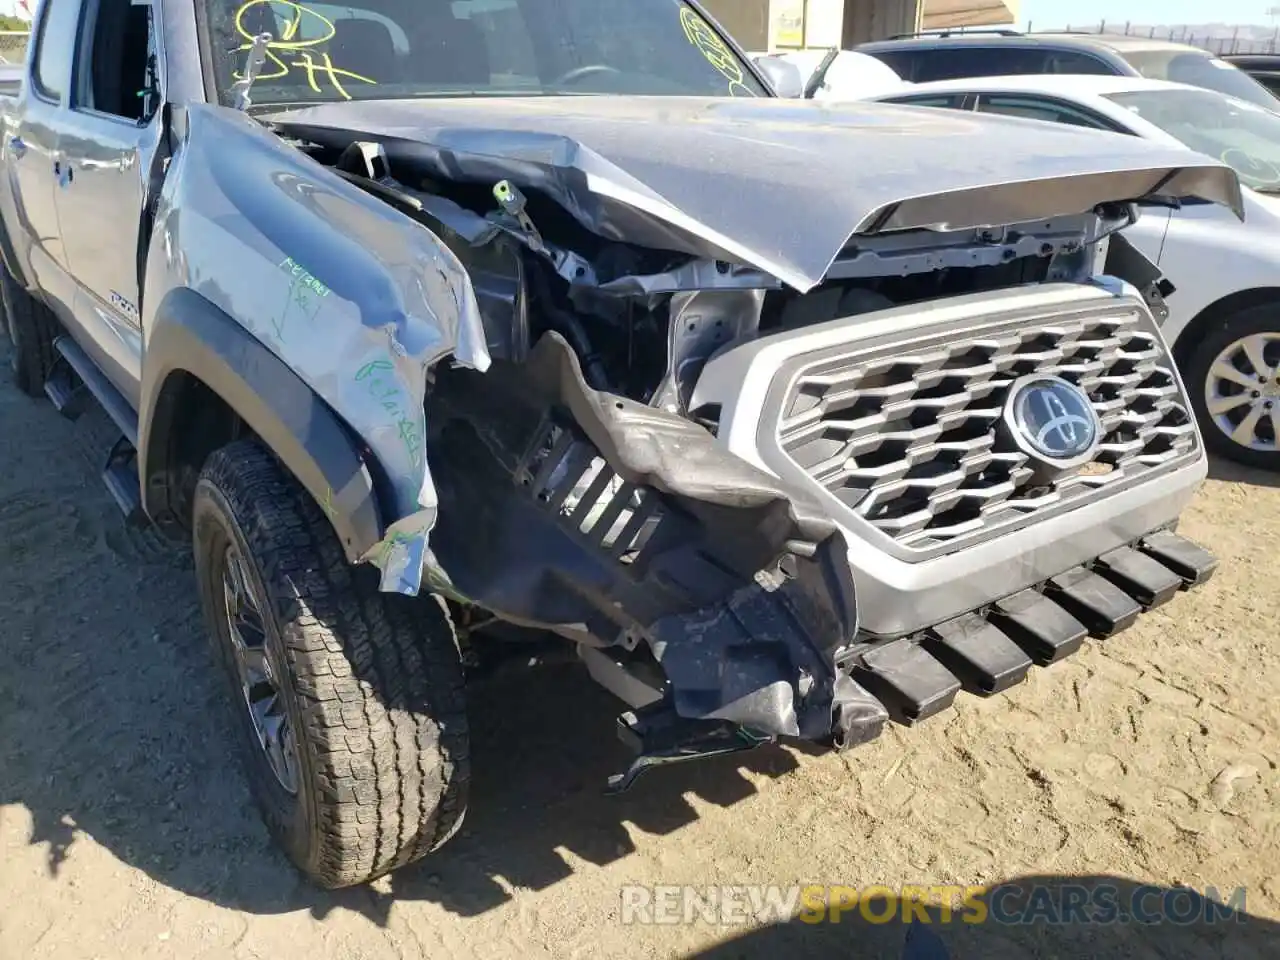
<point x="780" y="185"/>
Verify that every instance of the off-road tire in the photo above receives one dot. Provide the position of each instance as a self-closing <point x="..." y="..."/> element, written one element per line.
<point x="1217" y="336"/>
<point x="32" y="329"/>
<point x="374" y="685"/>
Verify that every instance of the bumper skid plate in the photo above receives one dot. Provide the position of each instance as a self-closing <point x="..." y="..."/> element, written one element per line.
<point x="912" y="685"/>
<point x="1141" y="576"/>
<point x="992" y="650"/>
<point x="1104" y="608"/>
<point x="1194" y="564"/>
<point x="1046" y="631"/>
<point x="986" y="659"/>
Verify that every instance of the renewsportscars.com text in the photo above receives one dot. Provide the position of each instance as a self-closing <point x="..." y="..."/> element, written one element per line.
<point x="1061" y="904"/>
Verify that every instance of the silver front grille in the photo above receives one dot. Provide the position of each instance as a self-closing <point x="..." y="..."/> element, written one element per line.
<point x="906" y="435"/>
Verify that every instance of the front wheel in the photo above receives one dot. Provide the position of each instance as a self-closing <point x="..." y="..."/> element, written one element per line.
<point x="1233" y="377"/>
<point x="349" y="702"/>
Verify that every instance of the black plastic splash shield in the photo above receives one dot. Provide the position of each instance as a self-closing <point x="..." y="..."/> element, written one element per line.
<point x="603" y="519"/>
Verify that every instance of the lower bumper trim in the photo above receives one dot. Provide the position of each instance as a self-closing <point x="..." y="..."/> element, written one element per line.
<point x="911" y="684"/>
<point x="991" y="649"/>
<point x="1095" y="601"/>
<point x="1041" y="627"/>
<point x="987" y="651"/>
<point x="977" y="651"/>
<point x="1143" y="577"/>
<point x="1194" y="564"/>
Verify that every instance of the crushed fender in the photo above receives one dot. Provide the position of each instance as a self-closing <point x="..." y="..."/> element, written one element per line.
<point x="360" y="301"/>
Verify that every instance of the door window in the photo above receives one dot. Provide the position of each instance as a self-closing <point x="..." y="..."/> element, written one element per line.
<point x="972" y="60"/>
<point x="951" y="101"/>
<point x="1039" y="108"/>
<point x="54" y="45"/>
<point x="118" y="62"/>
<point x="1069" y="61"/>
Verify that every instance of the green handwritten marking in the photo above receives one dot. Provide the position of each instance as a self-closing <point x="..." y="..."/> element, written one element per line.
<point x="327" y="503"/>
<point x="390" y="544"/>
<point x="304" y="277"/>
<point x="277" y="318"/>
<point x="700" y="35"/>
<point x="388" y="394"/>
<point x="305" y="292"/>
<point x="364" y="372"/>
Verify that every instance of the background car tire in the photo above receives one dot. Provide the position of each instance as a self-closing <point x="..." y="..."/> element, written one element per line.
<point x="371" y="683"/>
<point x="32" y="329"/>
<point x="1260" y="321"/>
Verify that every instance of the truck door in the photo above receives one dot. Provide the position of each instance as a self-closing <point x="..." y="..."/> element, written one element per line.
<point x="108" y="139"/>
<point x="33" y="151"/>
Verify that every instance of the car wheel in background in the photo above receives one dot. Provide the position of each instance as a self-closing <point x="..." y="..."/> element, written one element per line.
<point x="1233" y="376"/>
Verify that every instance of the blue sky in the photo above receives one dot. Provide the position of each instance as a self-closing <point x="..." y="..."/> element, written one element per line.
<point x="1057" y="13"/>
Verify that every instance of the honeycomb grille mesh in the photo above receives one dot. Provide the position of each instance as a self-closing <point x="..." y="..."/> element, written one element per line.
<point x="908" y="438"/>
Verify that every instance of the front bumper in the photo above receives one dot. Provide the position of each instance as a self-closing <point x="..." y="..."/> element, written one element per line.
<point x="632" y="532"/>
<point x="902" y="407"/>
<point x="897" y="598"/>
<point x="670" y="557"/>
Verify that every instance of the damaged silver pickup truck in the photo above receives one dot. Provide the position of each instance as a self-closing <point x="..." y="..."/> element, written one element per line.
<point x="550" y="317"/>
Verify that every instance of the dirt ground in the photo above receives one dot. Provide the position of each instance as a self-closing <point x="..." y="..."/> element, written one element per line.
<point x="126" y="829"/>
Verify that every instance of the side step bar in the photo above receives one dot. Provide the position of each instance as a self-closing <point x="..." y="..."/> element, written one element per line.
<point x="120" y="475"/>
<point x="112" y="400"/>
<point x="64" y="391"/>
<point x="121" y="478"/>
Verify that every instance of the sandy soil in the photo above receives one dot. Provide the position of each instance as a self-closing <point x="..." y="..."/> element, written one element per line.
<point x="126" y="829"/>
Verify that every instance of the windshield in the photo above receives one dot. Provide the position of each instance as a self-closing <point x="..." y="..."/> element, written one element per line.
<point x="1199" y="69"/>
<point x="381" y="49"/>
<point x="1239" y="134"/>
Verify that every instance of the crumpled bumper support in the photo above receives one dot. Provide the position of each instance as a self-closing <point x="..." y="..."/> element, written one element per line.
<point x="613" y="523"/>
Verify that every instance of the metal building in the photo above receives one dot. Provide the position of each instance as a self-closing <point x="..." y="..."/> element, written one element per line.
<point x="770" y="24"/>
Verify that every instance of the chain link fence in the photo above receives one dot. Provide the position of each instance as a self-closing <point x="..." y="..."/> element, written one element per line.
<point x="1221" y="41"/>
<point x="13" y="47"/>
